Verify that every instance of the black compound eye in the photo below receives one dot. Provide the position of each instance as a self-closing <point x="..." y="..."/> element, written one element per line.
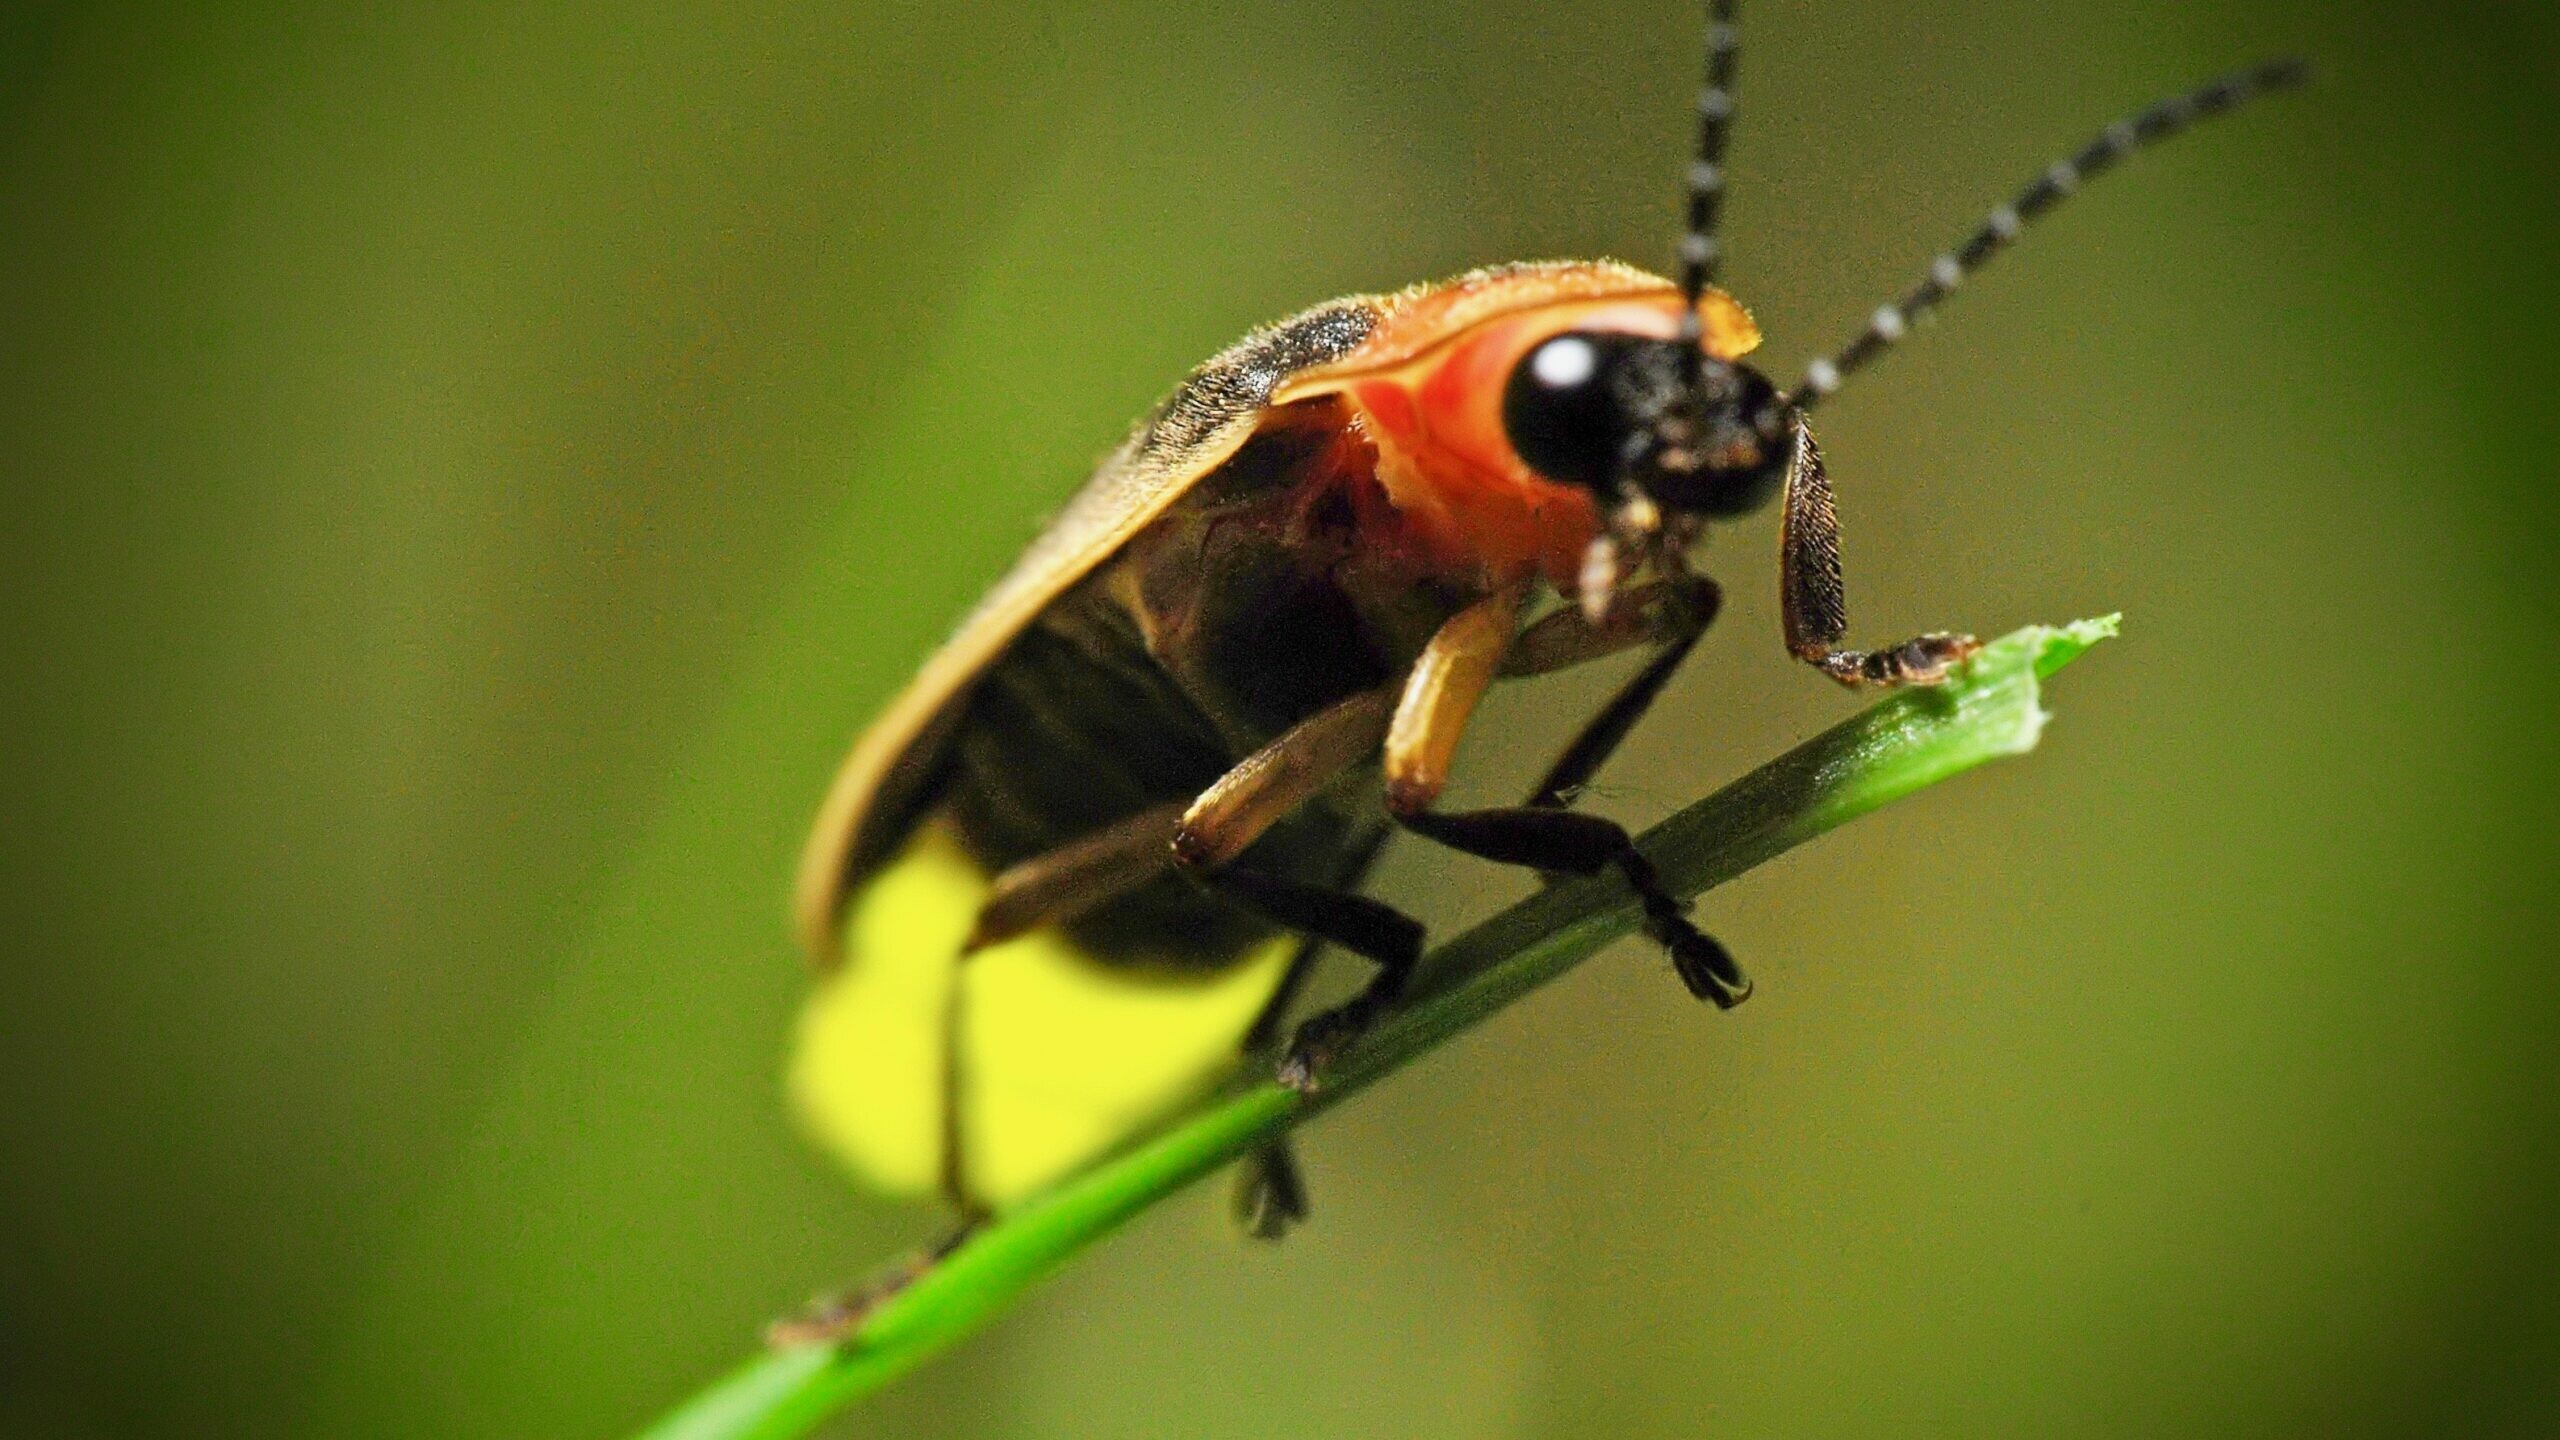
<point x="1564" y="408"/>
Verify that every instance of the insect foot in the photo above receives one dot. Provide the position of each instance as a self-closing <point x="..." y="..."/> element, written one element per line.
<point x="1270" y="1195"/>
<point x="834" y="1319"/>
<point x="1921" y="660"/>
<point x="831" y="1319"/>
<point x="1322" y="1039"/>
<point x="1708" y="969"/>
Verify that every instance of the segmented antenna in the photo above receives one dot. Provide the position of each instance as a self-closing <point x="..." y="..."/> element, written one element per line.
<point x="2117" y="141"/>
<point x="1699" y="251"/>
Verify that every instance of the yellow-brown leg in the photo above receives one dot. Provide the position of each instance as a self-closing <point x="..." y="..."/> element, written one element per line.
<point x="1266" y="785"/>
<point x="1262" y="789"/>
<point x="1199" y="838"/>
<point x="1660" y="613"/>
<point x="1072" y="879"/>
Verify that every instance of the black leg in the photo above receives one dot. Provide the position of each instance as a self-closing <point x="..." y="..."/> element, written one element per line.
<point x="1367" y="928"/>
<point x="1379" y="933"/>
<point x="1058" y="886"/>
<point x="1699" y="600"/>
<point x="1270" y="1195"/>
<point x="1814" y="601"/>
<point x="1275" y="1011"/>
<point x="1540" y="834"/>
<point x="1560" y="840"/>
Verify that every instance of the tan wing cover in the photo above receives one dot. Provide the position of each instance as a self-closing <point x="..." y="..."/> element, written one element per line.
<point x="1206" y="419"/>
<point x="1204" y="422"/>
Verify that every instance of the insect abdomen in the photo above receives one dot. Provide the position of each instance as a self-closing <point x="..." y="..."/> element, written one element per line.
<point x="1066" y="1051"/>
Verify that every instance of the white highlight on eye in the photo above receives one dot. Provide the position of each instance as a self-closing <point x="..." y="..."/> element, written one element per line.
<point x="1565" y="362"/>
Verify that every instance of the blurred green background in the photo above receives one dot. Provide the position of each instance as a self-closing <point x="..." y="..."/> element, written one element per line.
<point x="468" y="472"/>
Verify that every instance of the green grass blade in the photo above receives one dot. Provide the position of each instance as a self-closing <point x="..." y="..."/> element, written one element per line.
<point x="1910" y="740"/>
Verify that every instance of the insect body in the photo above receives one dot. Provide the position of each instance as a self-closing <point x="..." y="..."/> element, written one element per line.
<point x="1087" y="853"/>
